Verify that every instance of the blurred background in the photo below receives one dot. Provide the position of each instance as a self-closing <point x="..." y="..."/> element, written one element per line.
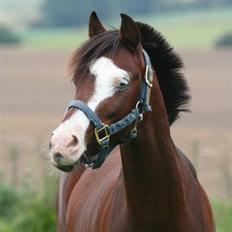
<point x="37" y="38"/>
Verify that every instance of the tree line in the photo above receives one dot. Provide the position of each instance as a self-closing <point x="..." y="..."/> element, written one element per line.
<point x="66" y="13"/>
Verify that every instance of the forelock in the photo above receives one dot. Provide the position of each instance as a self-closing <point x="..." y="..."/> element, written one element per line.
<point x="93" y="49"/>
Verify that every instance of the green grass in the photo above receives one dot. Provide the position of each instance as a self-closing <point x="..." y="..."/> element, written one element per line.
<point x="193" y="29"/>
<point x="223" y="215"/>
<point x="27" y="209"/>
<point x="54" y="38"/>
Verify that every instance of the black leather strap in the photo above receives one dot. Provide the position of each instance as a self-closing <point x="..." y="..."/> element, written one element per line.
<point x="135" y="114"/>
<point x="91" y="115"/>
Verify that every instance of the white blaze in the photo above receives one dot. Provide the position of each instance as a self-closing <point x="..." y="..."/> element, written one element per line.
<point x="106" y="74"/>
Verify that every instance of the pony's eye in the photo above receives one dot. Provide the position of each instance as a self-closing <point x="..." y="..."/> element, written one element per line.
<point x="123" y="83"/>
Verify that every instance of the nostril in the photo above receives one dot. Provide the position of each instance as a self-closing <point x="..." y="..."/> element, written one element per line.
<point x="75" y="138"/>
<point x="74" y="141"/>
<point x="58" y="158"/>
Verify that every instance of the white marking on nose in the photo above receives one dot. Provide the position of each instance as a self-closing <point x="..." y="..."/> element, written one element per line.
<point x="105" y="73"/>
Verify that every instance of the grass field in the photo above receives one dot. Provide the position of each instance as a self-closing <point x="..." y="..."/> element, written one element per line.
<point x="192" y="29"/>
<point x="30" y="210"/>
<point x="223" y="215"/>
<point x="54" y="38"/>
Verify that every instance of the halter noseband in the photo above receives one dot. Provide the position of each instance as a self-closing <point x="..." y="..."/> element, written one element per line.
<point x="103" y="132"/>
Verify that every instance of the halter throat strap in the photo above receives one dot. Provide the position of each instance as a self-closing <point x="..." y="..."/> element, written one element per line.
<point x="103" y="132"/>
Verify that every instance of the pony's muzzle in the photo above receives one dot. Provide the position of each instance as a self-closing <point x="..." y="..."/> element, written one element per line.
<point x="63" y="148"/>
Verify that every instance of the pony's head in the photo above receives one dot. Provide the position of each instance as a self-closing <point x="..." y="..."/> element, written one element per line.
<point x="110" y="75"/>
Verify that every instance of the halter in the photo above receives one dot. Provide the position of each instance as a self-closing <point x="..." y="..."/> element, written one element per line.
<point x="103" y="131"/>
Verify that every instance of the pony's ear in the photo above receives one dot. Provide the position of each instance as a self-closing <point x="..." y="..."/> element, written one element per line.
<point x="129" y="32"/>
<point x="95" y="25"/>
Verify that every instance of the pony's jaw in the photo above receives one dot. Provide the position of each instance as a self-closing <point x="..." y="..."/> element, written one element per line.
<point x="105" y="74"/>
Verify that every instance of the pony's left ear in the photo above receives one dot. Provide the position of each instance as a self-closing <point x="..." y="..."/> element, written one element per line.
<point x="95" y="25"/>
<point x="129" y="32"/>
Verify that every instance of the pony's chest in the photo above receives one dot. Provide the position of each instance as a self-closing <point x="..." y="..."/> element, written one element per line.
<point x="99" y="211"/>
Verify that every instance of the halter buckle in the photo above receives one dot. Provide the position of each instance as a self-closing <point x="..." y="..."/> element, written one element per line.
<point x="140" y="118"/>
<point x="105" y="136"/>
<point x="148" y="76"/>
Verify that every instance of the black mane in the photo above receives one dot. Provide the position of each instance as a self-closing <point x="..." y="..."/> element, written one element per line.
<point x="167" y="66"/>
<point x="166" y="63"/>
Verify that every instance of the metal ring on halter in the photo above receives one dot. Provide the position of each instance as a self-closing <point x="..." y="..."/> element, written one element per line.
<point x="137" y="105"/>
<point x="140" y="119"/>
<point x="148" y="76"/>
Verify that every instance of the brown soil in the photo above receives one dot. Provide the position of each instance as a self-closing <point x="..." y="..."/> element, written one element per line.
<point x="35" y="90"/>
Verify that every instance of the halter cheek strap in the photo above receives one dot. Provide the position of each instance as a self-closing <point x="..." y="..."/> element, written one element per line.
<point x="103" y="132"/>
<point x="146" y="84"/>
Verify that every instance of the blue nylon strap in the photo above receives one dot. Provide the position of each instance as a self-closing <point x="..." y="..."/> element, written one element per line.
<point x="104" y="147"/>
<point x="91" y="115"/>
<point x="124" y="122"/>
<point x="143" y="93"/>
<point x="146" y="59"/>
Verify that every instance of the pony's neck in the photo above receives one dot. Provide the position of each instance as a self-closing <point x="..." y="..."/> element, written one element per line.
<point x="150" y="167"/>
<point x="66" y="186"/>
